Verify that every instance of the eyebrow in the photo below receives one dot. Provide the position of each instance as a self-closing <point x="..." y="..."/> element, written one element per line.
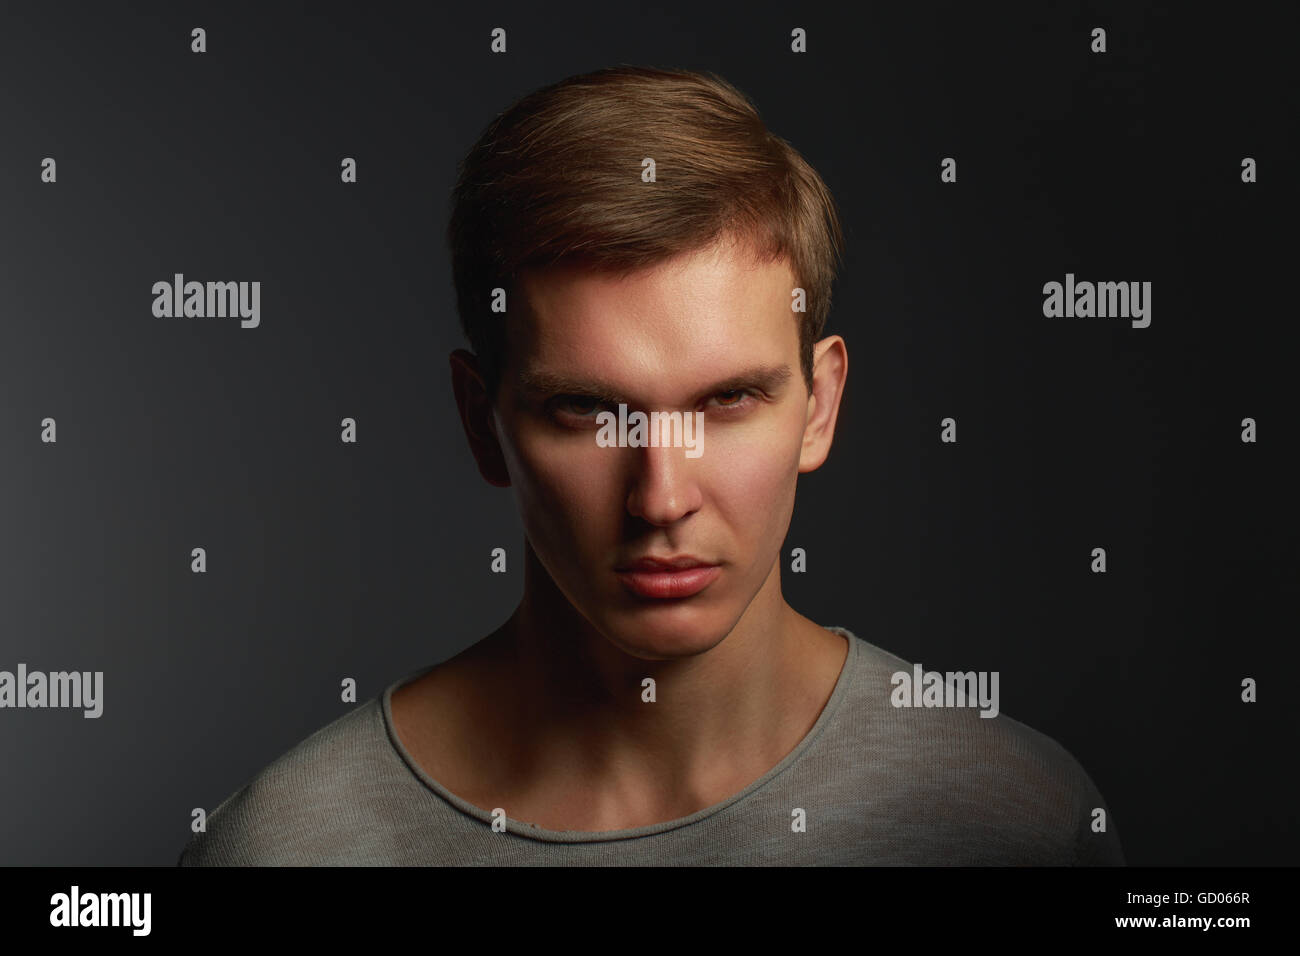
<point x="766" y="378"/>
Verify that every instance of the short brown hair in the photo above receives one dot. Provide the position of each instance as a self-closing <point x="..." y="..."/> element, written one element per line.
<point x="556" y="178"/>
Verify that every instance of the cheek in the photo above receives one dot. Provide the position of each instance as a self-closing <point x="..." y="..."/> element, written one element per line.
<point x="561" y="486"/>
<point x="752" y="483"/>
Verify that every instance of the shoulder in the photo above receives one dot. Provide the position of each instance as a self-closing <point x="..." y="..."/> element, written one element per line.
<point x="283" y="815"/>
<point x="992" y="787"/>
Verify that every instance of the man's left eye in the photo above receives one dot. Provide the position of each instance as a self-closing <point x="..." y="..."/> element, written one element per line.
<point x="733" y="398"/>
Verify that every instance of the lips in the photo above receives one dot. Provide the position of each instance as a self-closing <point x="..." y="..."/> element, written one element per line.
<point x="667" y="577"/>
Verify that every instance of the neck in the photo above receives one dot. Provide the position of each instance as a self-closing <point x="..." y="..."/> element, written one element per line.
<point x="721" y="718"/>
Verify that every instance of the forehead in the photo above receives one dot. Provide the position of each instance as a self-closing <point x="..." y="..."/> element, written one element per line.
<point x="684" y="320"/>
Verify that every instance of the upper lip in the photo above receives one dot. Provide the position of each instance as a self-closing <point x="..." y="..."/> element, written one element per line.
<point x="675" y="563"/>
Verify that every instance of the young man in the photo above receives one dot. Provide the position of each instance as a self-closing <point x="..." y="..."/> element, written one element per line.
<point x="653" y="699"/>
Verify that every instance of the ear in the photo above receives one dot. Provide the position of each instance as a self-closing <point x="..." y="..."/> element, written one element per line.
<point x="476" y="415"/>
<point x="830" y="371"/>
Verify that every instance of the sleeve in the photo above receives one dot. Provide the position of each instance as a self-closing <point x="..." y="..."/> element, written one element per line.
<point x="256" y="825"/>
<point x="1093" y="846"/>
<point x="1083" y="828"/>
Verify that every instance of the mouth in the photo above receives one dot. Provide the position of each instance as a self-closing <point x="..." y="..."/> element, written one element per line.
<point x="667" y="578"/>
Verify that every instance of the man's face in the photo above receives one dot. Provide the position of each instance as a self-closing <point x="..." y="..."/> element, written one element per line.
<point x="710" y="331"/>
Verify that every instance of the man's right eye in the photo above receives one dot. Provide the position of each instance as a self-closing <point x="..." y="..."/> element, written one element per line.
<point x="578" y="405"/>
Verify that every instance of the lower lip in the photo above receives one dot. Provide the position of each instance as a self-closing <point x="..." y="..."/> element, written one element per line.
<point x="669" y="584"/>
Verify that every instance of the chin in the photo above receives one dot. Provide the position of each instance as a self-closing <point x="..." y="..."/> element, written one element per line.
<point x="666" y="634"/>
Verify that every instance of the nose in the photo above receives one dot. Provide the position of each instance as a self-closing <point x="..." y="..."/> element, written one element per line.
<point x="664" y="488"/>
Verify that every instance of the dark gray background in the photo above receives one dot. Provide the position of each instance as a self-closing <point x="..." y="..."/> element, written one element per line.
<point x="328" y="560"/>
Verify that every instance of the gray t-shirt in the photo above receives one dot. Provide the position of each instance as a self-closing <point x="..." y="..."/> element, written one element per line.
<point x="871" y="783"/>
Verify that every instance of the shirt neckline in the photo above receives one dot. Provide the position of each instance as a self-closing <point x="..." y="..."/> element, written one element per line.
<point x="529" y="831"/>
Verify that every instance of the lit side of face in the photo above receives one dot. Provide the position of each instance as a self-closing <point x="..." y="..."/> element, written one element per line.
<point x="711" y="331"/>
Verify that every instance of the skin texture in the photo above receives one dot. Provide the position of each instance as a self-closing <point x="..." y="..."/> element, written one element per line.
<point x="544" y="717"/>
